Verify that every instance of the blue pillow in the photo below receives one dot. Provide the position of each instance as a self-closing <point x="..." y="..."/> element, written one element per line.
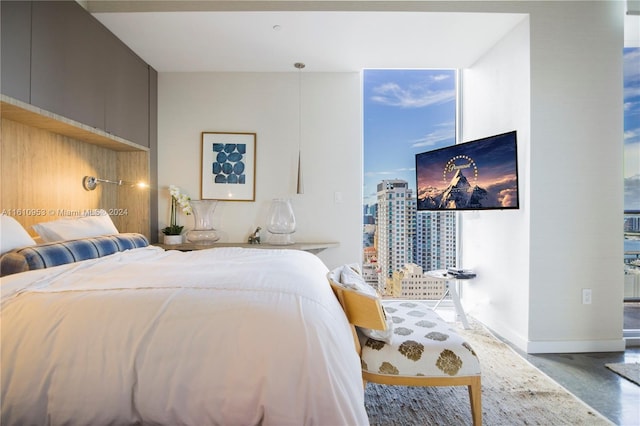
<point x="63" y="252"/>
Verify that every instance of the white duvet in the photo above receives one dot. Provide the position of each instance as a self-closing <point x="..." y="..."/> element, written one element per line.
<point x="226" y="336"/>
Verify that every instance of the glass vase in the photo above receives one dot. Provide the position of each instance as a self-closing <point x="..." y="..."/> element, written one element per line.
<point x="281" y="222"/>
<point x="203" y="232"/>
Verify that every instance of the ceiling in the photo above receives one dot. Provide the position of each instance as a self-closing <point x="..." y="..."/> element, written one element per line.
<point x="326" y="41"/>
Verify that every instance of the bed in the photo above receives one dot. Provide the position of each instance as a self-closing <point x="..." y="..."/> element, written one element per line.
<point x="224" y="336"/>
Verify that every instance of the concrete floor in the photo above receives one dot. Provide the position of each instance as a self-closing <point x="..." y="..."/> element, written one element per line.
<point x="585" y="376"/>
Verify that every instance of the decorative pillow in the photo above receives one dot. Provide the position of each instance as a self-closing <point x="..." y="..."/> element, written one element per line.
<point x="13" y="235"/>
<point x="381" y="335"/>
<point x="350" y="278"/>
<point x="77" y="227"/>
<point x="60" y="253"/>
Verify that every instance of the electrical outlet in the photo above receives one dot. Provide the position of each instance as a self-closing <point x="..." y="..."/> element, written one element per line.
<point x="586" y="296"/>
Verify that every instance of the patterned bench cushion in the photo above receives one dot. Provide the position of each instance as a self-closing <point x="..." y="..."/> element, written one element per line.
<point x="423" y="344"/>
<point x="59" y="253"/>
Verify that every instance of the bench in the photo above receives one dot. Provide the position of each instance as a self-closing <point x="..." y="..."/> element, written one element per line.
<point x="419" y="348"/>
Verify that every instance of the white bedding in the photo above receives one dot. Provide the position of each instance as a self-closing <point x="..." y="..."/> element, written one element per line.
<point x="226" y="336"/>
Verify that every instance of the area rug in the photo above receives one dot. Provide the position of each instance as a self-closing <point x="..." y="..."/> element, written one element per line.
<point x="513" y="393"/>
<point x="629" y="370"/>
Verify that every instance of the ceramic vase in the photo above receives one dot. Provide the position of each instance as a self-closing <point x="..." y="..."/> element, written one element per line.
<point x="172" y="239"/>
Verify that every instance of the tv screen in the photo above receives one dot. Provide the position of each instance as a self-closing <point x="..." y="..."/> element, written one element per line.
<point x="476" y="175"/>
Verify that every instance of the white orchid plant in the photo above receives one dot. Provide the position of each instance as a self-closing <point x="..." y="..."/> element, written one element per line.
<point x="178" y="199"/>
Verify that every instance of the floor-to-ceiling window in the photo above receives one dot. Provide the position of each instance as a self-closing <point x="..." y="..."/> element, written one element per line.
<point x="632" y="190"/>
<point x="406" y="112"/>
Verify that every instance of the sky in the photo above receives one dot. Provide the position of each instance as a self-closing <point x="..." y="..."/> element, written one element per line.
<point x="405" y="112"/>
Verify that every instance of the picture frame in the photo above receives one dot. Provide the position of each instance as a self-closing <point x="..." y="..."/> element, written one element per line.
<point x="228" y="166"/>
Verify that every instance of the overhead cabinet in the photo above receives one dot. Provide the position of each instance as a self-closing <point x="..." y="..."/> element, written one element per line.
<point x="127" y="95"/>
<point x="81" y="71"/>
<point x="68" y="63"/>
<point x="15" y="22"/>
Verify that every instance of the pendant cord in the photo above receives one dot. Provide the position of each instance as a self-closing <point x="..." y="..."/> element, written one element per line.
<point x="299" y="186"/>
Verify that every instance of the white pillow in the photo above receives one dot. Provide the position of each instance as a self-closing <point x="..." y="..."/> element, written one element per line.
<point x="13" y="235"/>
<point x="78" y="227"/>
<point x="382" y="335"/>
<point x="350" y="278"/>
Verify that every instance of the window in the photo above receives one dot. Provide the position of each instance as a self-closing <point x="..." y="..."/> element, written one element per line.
<point x="406" y="112"/>
<point x="631" y="190"/>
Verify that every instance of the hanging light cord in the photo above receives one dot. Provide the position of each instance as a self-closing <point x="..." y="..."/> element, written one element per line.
<point x="299" y="187"/>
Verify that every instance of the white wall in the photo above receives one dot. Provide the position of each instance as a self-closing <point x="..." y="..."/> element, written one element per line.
<point x="267" y="104"/>
<point x="576" y="178"/>
<point x="534" y="263"/>
<point x="496" y="244"/>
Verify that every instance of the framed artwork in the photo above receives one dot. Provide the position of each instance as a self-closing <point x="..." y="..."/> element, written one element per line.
<point x="228" y="166"/>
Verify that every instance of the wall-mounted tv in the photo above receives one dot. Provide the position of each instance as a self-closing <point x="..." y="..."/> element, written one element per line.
<point x="476" y="175"/>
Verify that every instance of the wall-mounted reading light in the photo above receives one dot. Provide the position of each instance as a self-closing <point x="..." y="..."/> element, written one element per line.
<point x="89" y="183"/>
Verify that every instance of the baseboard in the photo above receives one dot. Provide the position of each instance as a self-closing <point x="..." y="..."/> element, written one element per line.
<point x="575" y="346"/>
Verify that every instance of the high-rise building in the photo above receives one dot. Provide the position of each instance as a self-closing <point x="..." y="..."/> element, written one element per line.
<point x="632" y="223"/>
<point x="396" y="227"/>
<point x="436" y="240"/>
<point x="369" y="214"/>
<point x="402" y="235"/>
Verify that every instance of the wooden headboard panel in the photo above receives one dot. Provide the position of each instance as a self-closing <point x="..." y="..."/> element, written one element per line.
<point x="42" y="171"/>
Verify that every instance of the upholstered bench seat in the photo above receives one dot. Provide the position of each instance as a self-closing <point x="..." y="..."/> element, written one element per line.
<point x="422" y="344"/>
<point x="404" y="342"/>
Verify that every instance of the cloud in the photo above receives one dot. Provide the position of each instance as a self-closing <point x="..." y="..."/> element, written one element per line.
<point x="631" y="92"/>
<point x="392" y="94"/>
<point x="386" y="173"/>
<point x="434" y="138"/>
<point x="631" y="53"/>
<point x="443" y="132"/>
<point x="440" y="77"/>
<point x="508" y="197"/>
<point x="631" y="159"/>
<point x="630" y="106"/>
<point x="631" y="136"/>
<point x="380" y="173"/>
<point x="631" y="63"/>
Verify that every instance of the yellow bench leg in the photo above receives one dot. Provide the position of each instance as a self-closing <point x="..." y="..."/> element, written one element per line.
<point x="475" y="397"/>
